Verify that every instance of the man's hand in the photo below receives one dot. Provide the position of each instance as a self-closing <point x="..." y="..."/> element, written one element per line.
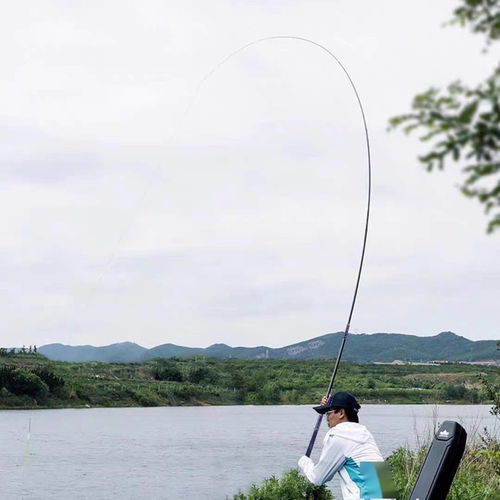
<point x="324" y="400"/>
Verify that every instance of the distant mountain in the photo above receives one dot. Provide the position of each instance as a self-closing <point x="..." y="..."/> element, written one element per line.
<point x="123" y="351"/>
<point x="360" y="348"/>
<point x="387" y="347"/>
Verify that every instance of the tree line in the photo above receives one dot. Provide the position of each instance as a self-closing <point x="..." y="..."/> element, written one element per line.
<point x="36" y="381"/>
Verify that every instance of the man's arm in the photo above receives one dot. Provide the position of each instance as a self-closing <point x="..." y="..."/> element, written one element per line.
<point x="332" y="459"/>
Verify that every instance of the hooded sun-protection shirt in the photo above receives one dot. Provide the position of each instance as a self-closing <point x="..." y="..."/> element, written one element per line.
<point x="350" y="450"/>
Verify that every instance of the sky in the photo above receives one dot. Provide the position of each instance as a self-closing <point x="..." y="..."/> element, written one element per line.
<point x="127" y="218"/>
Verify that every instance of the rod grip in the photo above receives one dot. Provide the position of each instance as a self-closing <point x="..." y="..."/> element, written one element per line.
<point x="314" y="435"/>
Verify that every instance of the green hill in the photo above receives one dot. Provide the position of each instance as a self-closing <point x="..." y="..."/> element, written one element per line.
<point x="360" y="348"/>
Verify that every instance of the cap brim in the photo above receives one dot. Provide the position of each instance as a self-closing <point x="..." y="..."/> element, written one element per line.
<point x="322" y="409"/>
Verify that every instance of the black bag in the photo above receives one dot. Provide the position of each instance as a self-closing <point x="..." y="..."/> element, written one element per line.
<point x="441" y="463"/>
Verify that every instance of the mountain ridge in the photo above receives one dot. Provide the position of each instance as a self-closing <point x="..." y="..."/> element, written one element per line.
<point x="360" y="348"/>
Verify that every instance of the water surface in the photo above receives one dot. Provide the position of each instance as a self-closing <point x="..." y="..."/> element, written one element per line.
<point x="181" y="452"/>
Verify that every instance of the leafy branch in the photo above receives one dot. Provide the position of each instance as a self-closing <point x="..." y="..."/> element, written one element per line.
<point x="463" y="123"/>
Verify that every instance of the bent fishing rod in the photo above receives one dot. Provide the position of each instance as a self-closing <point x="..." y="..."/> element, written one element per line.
<point x="363" y="249"/>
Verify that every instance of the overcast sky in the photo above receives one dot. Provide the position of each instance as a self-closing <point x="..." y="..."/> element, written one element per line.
<point x="125" y="220"/>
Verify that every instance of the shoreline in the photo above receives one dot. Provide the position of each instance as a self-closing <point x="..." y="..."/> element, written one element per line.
<point x="204" y="405"/>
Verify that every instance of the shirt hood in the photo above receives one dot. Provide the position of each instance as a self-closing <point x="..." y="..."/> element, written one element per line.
<point x="351" y="431"/>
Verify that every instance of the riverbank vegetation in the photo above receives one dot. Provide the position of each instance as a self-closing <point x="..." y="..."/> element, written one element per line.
<point x="478" y="477"/>
<point x="292" y="486"/>
<point x="29" y="380"/>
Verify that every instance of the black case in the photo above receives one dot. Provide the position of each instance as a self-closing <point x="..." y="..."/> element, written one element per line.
<point x="441" y="463"/>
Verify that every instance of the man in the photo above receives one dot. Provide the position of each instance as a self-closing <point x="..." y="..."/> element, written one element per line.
<point x="350" y="450"/>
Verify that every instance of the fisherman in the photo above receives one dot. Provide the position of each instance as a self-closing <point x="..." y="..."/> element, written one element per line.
<point x="348" y="448"/>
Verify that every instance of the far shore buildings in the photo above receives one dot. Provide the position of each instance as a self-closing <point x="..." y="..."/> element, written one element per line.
<point x="487" y="362"/>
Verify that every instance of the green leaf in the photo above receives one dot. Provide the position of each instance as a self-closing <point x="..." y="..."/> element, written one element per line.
<point x="468" y="112"/>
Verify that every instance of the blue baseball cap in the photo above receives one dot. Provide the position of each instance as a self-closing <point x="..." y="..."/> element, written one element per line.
<point x="339" y="399"/>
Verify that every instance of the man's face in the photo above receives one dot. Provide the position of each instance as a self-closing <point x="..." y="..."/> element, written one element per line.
<point x="333" y="418"/>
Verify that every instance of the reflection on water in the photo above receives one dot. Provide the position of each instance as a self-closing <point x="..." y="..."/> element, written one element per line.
<point x="185" y="452"/>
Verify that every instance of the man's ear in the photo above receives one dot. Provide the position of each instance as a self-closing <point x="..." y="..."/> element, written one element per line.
<point x="342" y="413"/>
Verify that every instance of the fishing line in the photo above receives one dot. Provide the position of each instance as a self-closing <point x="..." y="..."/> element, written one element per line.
<point x="28" y="441"/>
<point x="178" y="128"/>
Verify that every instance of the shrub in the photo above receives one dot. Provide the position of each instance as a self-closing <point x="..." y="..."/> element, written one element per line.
<point x="292" y="486"/>
<point x="80" y="391"/>
<point x="52" y="380"/>
<point x="23" y="382"/>
<point x="145" y="397"/>
<point x="5" y="375"/>
<point x="185" y="391"/>
<point x="167" y="393"/>
<point x="12" y="401"/>
<point x="452" y="391"/>
<point x="198" y="374"/>
<point x="168" y="372"/>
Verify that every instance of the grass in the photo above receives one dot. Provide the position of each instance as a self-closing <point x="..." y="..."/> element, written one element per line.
<point x="478" y="477"/>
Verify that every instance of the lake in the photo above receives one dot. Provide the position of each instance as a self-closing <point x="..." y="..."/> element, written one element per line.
<point x="182" y="452"/>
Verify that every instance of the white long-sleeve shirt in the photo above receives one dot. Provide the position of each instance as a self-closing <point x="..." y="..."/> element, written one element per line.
<point x="350" y="450"/>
